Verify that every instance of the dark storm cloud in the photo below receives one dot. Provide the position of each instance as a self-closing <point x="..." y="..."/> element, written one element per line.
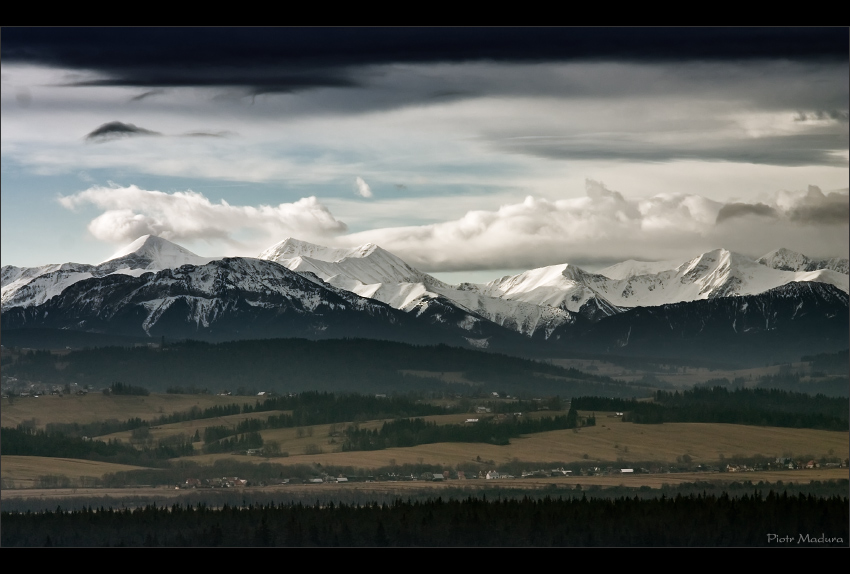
<point x="813" y="208"/>
<point x="787" y="150"/>
<point x="114" y="130"/>
<point x="287" y="59"/>
<point x="824" y="214"/>
<point x="819" y="115"/>
<point x="731" y="210"/>
<point x="147" y="94"/>
<point x="817" y="208"/>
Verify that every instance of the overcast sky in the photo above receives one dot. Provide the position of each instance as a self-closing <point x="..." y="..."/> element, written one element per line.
<point x="469" y="153"/>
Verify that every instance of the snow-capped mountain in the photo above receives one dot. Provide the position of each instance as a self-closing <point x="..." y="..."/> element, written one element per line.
<point x="542" y="300"/>
<point x="152" y="253"/>
<point x="297" y="289"/>
<point x="718" y="273"/>
<point x="362" y="270"/>
<point x="785" y="322"/>
<point x="373" y="272"/>
<point x="26" y="286"/>
<point x="563" y="286"/>
<point x="631" y="268"/>
<point x="787" y="260"/>
<point x="237" y="298"/>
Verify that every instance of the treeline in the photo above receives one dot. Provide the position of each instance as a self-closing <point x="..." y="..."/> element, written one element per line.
<point x="712" y="520"/>
<point x="98" y="428"/>
<point x="315" y="408"/>
<point x="111" y="426"/>
<point x="412" y="432"/>
<point x="293" y="365"/>
<point x="760" y="407"/>
<point x="31" y="442"/>
<point x="118" y="388"/>
<point x="218" y="497"/>
<point x="832" y="363"/>
<point x="310" y="408"/>
<point x="831" y="386"/>
<point x="244" y="441"/>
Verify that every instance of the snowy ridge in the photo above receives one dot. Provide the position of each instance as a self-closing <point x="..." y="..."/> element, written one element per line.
<point x="23" y="286"/>
<point x="535" y="303"/>
<point x="631" y="268"/>
<point x="27" y="286"/>
<point x="367" y="264"/>
<point x="246" y="298"/>
<point x="547" y="297"/>
<point x="203" y="294"/>
<point x="373" y="272"/>
<point x="564" y="286"/>
<point x="718" y="273"/>
<point x="787" y="260"/>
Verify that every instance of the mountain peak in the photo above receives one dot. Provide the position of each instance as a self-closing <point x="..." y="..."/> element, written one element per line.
<point x="158" y="252"/>
<point x="788" y="260"/>
<point x="290" y="248"/>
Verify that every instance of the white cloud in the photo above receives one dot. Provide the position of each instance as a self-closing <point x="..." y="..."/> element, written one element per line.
<point x="363" y="189"/>
<point x="187" y="215"/>
<point x="602" y="227"/>
<point x="606" y="226"/>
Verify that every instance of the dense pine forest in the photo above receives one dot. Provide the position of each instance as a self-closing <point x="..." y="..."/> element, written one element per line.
<point x="756" y="519"/>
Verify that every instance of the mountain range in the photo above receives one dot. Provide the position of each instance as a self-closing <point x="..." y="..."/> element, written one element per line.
<point x="714" y="304"/>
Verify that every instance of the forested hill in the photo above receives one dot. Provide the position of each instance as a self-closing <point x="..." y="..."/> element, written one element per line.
<point x="764" y="407"/>
<point x="295" y="365"/>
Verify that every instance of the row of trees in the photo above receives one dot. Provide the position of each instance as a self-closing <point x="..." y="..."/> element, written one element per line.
<point x="243" y="442"/>
<point x="31" y="442"/>
<point x="412" y="432"/>
<point x="711" y="520"/>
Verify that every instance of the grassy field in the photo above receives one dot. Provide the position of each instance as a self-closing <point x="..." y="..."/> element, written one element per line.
<point x="24" y="471"/>
<point x="291" y="440"/>
<point x="189" y="427"/>
<point x="328" y="437"/>
<point x="611" y="440"/>
<point x="95" y="407"/>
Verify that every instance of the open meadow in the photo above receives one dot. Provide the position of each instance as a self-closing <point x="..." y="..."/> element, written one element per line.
<point x="608" y="441"/>
<point x="611" y="442"/>
<point x="96" y="407"/>
<point x="35" y="471"/>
